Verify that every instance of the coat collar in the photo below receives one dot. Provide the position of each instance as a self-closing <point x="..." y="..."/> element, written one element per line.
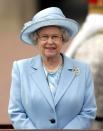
<point x="39" y="77"/>
<point x="36" y="62"/>
<point x="66" y="78"/>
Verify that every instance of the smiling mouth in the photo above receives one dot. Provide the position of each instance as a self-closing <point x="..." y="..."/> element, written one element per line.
<point x="50" y="48"/>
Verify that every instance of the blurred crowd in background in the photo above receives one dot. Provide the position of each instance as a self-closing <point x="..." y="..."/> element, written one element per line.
<point x="86" y="46"/>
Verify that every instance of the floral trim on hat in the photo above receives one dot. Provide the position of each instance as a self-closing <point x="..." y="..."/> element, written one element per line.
<point x="27" y="24"/>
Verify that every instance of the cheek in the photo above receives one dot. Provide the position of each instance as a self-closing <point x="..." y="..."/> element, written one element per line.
<point x="60" y="45"/>
<point x="40" y="45"/>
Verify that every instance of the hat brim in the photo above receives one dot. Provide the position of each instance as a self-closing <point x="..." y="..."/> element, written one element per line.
<point x="69" y="24"/>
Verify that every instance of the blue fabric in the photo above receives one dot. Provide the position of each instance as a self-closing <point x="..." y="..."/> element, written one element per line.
<point x="31" y="105"/>
<point x="53" y="79"/>
<point x="51" y="16"/>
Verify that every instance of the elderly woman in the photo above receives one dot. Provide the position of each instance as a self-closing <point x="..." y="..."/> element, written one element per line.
<point x="51" y="91"/>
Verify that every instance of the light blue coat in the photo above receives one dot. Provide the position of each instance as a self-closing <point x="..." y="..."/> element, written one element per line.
<point x="32" y="106"/>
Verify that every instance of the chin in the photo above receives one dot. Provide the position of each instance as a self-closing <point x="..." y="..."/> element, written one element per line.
<point x="51" y="55"/>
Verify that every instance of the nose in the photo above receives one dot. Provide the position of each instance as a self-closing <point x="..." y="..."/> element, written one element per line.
<point x="50" y="40"/>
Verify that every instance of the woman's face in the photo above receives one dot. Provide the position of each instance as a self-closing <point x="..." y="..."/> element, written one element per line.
<point x="49" y="41"/>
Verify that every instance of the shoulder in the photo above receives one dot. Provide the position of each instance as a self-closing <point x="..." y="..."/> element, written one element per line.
<point x="80" y="65"/>
<point x="75" y="62"/>
<point x="83" y="66"/>
<point x="25" y="62"/>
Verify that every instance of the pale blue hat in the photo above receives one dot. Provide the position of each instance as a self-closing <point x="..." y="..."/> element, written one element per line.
<point x="52" y="16"/>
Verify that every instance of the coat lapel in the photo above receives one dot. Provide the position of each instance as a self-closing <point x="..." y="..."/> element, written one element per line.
<point x="39" y="77"/>
<point x="66" y="79"/>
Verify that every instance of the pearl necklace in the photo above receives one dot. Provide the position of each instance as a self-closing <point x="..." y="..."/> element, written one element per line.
<point x="55" y="69"/>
